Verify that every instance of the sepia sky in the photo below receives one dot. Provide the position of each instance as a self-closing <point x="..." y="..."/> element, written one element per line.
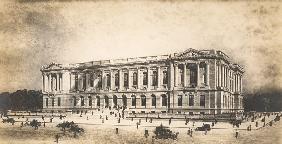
<point x="33" y="34"/>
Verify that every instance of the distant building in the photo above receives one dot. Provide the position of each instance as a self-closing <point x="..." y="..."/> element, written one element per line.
<point x="191" y="82"/>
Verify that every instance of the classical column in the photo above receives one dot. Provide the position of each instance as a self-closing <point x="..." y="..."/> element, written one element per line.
<point x="103" y="79"/>
<point x="159" y="77"/>
<point x="43" y="82"/>
<point x="241" y="84"/>
<point x="198" y="74"/>
<point x="130" y="82"/>
<point x="175" y="75"/>
<point x="57" y="82"/>
<point x="184" y="75"/>
<point x="61" y="79"/>
<point x="171" y="75"/>
<point x="49" y="82"/>
<point x="120" y="78"/>
<point x="207" y="74"/>
<point x="112" y="77"/>
<point x="138" y="78"/>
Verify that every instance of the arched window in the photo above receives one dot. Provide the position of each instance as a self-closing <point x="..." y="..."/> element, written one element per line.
<point x="154" y="100"/>
<point x="133" y="100"/>
<point x="135" y="79"/>
<point x="143" y="100"/>
<point x="115" y="100"/>
<point x="76" y="82"/>
<point x="82" y="101"/>
<point x="164" y="100"/>
<point x="106" y="98"/>
<point x="108" y="77"/>
<point x="84" y="81"/>
<point x="91" y="80"/>
<point x="181" y="73"/>
<point x="98" y="100"/>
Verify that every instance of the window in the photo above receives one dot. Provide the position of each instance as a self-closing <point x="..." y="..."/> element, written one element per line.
<point x="46" y="102"/>
<point x="135" y="79"/>
<point x="91" y="80"/>
<point x="164" y="100"/>
<point x="115" y="100"/>
<point x="90" y="101"/>
<point x="133" y="102"/>
<point x="124" y="100"/>
<point x="108" y="77"/>
<point x="165" y="77"/>
<point x="181" y="73"/>
<point x="59" y="101"/>
<point x="179" y="100"/>
<point x="84" y="82"/>
<point x="106" y="98"/>
<point x="145" y="78"/>
<point x="82" y="101"/>
<point x="202" y="100"/>
<point x="143" y="100"/>
<point x="76" y="82"/>
<point x="98" y="100"/>
<point x="155" y="78"/>
<point x="53" y="102"/>
<point x="191" y="100"/>
<point x="100" y="81"/>
<point x="74" y="101"/>
<point x="125" y="84"/>
<point x="116" y="79"/>
<point x="153" y="100"/>
<point x="193" y="74"/>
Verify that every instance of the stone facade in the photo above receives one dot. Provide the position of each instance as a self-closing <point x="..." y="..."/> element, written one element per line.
<point x="193" y="82"/>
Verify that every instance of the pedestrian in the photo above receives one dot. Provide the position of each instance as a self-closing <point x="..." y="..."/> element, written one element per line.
<point x="44" y="123"/>
<point x="92" y="113"/>
<point x="169" y="121"/>
<point x="21" y="124"/>
<point x="57" y="138"/>
<point x="137" y="125"/>
<point x="191" y="133"/>
<point x="236" y="134"/>
<point x="87" y="117"/>
<point x="116" y="130"/>
<point x="188" y="132"/>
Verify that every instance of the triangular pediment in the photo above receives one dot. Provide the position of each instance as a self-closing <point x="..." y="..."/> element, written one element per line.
<point x="189" y="53"/>
<point x="52" y="66"/>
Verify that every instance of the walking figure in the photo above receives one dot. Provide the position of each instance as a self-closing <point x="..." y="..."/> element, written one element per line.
<point x="169" y="121"/>
<point x="236" y="134"/>
<point x="57" y="138"/>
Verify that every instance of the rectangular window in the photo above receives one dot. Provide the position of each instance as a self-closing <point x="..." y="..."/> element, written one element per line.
<point x="202" y="100"/>
<point x="155" y="78"/>
<point x="153" y="100"/>
<point x="125" y="84"/>
<point x="100" y="81"/>
<point x="98" y="101"/>
<point x="46" y="102"/>
<point x="82" y="101"/>
<point x="59" y="101"/>
<point x="145" y="78"/>
<point x="179" y="100"/>
<point x="84" y="82"/>
<point x="53" y="102"/>
<point x="143" y="100"/>
<point x="91" y="80"/>
<point x="116" y="79"/>
<point x="191" y="100"/>
<point x="135" y="78"/>
<point x="133" y="103"/>
<point x="90" y="101"/>
<point x="165" y="77"/>
<point x="76" y="82"/>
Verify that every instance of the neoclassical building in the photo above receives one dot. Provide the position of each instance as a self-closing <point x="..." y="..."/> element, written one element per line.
<point x="190" y="82"/>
